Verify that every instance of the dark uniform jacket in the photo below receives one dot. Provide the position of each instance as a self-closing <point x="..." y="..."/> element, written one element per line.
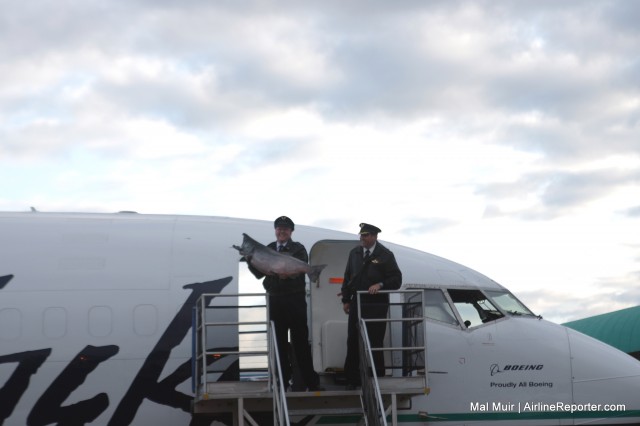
<point x="359" y="275"/>
<point x="274" y="284"/>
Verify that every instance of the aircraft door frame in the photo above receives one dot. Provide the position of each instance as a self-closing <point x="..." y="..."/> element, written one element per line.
<point x="328" y="330"/>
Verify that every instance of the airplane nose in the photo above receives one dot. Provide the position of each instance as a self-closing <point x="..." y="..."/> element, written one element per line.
<point x="605" y="380"/>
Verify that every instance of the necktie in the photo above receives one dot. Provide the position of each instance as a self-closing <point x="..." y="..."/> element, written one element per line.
<point x="367" y="254"/>
<point x="280" y="247"/>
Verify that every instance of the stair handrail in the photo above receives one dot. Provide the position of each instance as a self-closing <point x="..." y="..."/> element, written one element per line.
<point x="202" y="354"/>
<point x="412" y="347"/>
<point x="409" y="318"/>
<point x="372" y="405"/>
<point x="280" y="409"/>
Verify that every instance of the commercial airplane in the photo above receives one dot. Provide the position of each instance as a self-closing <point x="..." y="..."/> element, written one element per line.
<point x="96" y="315"/>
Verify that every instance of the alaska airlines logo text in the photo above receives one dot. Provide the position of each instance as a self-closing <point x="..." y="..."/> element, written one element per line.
<point x="495" y="368"/>
<point x="149" y="384"/>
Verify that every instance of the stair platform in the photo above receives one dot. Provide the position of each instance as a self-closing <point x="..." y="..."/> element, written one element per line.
<point x="223" y="396"/>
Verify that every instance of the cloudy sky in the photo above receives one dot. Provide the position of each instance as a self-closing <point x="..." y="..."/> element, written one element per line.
<point x="504" y="135"/>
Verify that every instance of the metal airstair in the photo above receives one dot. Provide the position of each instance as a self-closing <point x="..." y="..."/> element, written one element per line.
<point x="380" y="395"/>
<point x="236" y="367"/>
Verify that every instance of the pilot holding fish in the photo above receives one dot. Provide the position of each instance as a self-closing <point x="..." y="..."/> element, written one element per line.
<point x="283" y="264"/>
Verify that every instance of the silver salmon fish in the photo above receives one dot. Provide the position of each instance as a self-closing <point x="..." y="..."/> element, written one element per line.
<point x="270" y="262"/>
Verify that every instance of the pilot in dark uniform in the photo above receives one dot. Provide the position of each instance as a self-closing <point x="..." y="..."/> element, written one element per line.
<point x="288" y="309"/>
<point x="371" y="267"/>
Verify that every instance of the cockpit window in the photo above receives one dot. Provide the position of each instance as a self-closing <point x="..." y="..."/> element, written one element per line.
<point x="474" y="307"/>
<point x="437" y="308"/>
<point x="508" y="303"/>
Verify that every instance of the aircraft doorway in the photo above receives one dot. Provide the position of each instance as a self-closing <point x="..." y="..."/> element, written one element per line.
<point x="252" y="337"/>
<point x="328" y="320"/>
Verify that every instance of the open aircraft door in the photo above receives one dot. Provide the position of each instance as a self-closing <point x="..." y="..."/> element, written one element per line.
<point x="328" y="320"/>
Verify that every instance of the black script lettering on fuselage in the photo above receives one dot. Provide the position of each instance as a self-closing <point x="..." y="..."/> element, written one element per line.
<point x="18" y="382"/>
<point x="49" y="410"/>
<point x="4" y="280"/>
<point x="145" y="385"/>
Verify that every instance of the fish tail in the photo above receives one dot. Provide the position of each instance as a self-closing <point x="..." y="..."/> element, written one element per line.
<point x="314" y="272"/>
<point x="242" y="253"/>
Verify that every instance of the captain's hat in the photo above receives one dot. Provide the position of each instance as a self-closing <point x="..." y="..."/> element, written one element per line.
<point x="366" y="228"/>
<point x="283" y="222"/>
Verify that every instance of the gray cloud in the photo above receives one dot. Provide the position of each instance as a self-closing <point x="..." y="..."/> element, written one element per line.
<point x="557" y="192"/>
<point x="560" y="306"/>
<point x="206" y="68"/>
<point x="387" y="60"/>
<point x="621" y="15"/>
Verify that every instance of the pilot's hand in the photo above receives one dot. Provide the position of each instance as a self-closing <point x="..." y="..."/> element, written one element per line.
<point x="374" y="289"/>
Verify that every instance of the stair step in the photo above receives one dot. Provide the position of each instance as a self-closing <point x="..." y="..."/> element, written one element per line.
<point x="326" y="411"/>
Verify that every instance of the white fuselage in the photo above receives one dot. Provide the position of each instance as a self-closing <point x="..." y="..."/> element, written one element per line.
<point x="96" y="311"/>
